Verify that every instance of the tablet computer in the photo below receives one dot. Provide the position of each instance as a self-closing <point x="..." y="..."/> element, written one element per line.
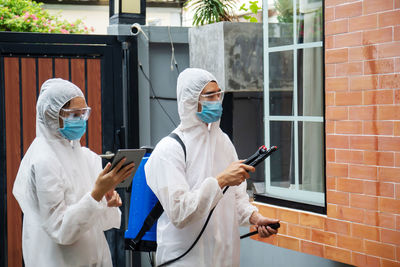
<point x="131" y="155"/>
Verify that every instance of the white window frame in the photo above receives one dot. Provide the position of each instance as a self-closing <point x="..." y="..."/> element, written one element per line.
<point x="293" y="194"/>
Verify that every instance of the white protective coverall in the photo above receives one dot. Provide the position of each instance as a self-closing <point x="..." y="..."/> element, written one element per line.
<point x="189" y="190"/>
<point x="63" y="225"/>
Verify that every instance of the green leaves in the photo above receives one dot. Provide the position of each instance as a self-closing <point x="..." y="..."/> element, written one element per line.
<point x="29" y="16"/>
<point x="254" y="8"/>
<point x="210" y="11"/>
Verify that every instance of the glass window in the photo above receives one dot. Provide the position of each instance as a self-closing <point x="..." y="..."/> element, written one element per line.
<point x="294" y="99"/>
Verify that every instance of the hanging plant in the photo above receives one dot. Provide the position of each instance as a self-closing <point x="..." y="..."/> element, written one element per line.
<point x="29" y="16"/>
<point x="211" y="11"/>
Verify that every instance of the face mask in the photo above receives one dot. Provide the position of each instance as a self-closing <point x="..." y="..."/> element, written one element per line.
<point x="211" y="111"/>
<point x="73" y="129"/>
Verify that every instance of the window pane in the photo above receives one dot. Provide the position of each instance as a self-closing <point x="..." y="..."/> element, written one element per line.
<point x="309" y="82"/>
<point x="282" y="161"/>
<point x="280" y="23"/>
<point x="311" y="156"/>
<point x="281" y="83"/>
<point x="309" y="21"/>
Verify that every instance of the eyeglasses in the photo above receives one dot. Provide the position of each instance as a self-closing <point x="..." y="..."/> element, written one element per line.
<point x="216" y="96"/>
<point x="75" y="113"/>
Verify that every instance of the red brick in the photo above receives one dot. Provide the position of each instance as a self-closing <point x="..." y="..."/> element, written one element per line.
<point x="397" y="92"/>
<point x="389" y="112"/>
<point x="348" y="10"/>
<point x="312" y="248"/>
<point x="378" y="97"/>
<point x="379" y="158"/>
<point x="379" y="189"/>
<point x="336" y="55"/>
<point x="363" y="23"/>
<point x="389" y="50"/>
<point x="379" y="249"/>
<point x="364" y="142"/>
<point x="398" y="222"/>
<point x="267" y="211"/>
<point x="397" y="192"/>
<point x="363" y="201"/>
<point x="351" y="243"/>
<point x="373" y="6"/>
<point x="389" y="174"/>
<point x="365" y="231"/>
<point x="283" y="228"/>
<point x="329" y="127"/>
<point x="337" y="226"/>
<point x="348" y="127"/>
<point x="364" y="82"/>
<point x="335" y="197"/>
<point x="350" y="185"/>
<point x="387" y="220"/>
<point x="329" y="42"/>
<point x="334" y="169"/>
<point x="397" y="33"/>
<point x="349" y="69"/>
<point x="330" y="183"/>
<point x="377" y="127"/>
<point x="390" y="18"/>
<point x="348" y="39"/>
<point x="398" y="253"/>
<point x="348" y="98"/>
<point x="330" y="70"/>
<point x="288" y="242"/>
<point x="288" y="216"/>
<point x="337" y="113"/>
<point x="391" y="237"/>
<point x="337" y="141"/>
<point x="323" y="237"/>
<point x="396" y="6"/>
<point x="377" y="36"/>
<point x="397" y="65"/>
<point x="350" y="214"/>
<point x="337" y="254"/>
<point x="330" y="155"/>
<point x="336" y="84"/>
<point x="397" y="160"/>
<point x="363" y="172"/>
<point x="335" y="27"/>
<point x="330" y="98"/>
<point x="349" y="156"/>
<point x="371" y="218"/>
<point x="363" y="113"/>
<point x="362" y="53"/>
<point x="358" y="259"/>
<point x="312" y="220"/>
<point x="332" y="211"/>
<point x="299" y="232"/>
<point x="329" y="13"/>
<point x="389" y="205"/>
<point x="389" y="263"/>
<point x="389" y="81"/>
<point x="379" y="66"/>
<point x="389" y="143"/>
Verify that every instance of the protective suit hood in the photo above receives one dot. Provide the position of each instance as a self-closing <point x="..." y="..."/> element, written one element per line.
<point x="54" y="94"/>
<point x="190" y="83"/>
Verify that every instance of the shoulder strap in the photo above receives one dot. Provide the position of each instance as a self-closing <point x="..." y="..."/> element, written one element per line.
<point x="179" y="140"/>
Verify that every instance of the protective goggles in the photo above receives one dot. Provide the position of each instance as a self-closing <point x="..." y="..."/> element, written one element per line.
<point x="75" y="113"/>
<point x="217" y="96"/>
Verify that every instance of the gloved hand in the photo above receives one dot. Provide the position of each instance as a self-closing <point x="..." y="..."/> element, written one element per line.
<point x="234" y="174"/>
<point x="113" y="199"/>
<point x="109" y="179"/>
<point x="261" y="223"/>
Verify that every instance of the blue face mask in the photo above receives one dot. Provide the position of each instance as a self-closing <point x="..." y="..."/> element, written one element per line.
<point x="73" y="129"/>
<point x="211" y="111"/>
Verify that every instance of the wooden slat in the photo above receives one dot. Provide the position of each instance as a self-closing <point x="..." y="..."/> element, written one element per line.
<point x="78" y="78"/>
<point x="45" y="70"/>
<point x="13" y="158"/>
<point x="28" y="81"/>
<point x="94" y="101"/>
<point x="61" y="68"/>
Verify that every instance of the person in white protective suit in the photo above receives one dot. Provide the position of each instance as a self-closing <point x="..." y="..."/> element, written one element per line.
<point x="67" y="199"/>
<point x="189" y="189"/>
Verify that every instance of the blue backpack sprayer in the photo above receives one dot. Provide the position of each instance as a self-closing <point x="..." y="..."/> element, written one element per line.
<point x="144" y="212"/>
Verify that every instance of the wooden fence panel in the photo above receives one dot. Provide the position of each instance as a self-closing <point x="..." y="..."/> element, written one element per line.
<point x="61" y="68"/>
<point x="45" y="70"/>
<point x="13" y="156"/>
<point x="94" y="101"/>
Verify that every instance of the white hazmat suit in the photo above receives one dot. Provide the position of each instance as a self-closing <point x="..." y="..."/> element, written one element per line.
<point x="188" y="191"/>
<point x="63" y="225"/>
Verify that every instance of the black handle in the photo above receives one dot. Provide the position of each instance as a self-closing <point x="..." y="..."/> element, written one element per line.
<point x="272" y="225"/>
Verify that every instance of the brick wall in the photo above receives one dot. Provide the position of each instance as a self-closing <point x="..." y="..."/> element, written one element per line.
<point x="362" y="89"/>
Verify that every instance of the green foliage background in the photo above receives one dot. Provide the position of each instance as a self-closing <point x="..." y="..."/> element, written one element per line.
<point x="29" y="16"/>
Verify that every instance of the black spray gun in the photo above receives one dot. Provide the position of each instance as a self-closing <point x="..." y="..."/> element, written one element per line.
<point x="258" y="157"/>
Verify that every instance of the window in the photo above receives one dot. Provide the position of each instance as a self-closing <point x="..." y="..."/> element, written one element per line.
<point x="294" y="101"/>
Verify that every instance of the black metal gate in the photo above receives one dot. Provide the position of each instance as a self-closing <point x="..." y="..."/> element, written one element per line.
<point x="104" y="67"/>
